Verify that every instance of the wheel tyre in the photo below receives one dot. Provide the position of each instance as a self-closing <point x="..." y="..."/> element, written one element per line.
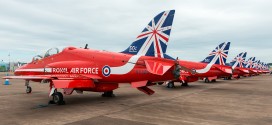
<point x="28" y="89"/>
<point x="207" y="80"/>
<point x="58" y="98"/>
<point x="170" y="85"/>
<point x="108" y="94"/>
<point x="184" y="84"/>
<point x="160" y="83"/>
<point x="214" y="80"/>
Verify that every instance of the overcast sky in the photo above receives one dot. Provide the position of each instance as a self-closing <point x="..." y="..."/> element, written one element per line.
<point x="30" y="27"/>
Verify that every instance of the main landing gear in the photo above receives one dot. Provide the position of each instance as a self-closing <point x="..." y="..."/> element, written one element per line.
<point x="108" y="94"/>
<point x="28" y="88"/>
<point x="170" y="84"/>
<point x="184" y="83"/>
<point x="209" y="81"/>
<point x="57" y="98"/>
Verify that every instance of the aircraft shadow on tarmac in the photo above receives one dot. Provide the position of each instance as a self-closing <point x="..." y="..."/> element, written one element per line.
<point x="75" y="100"/>
<point x="78" y="99"/>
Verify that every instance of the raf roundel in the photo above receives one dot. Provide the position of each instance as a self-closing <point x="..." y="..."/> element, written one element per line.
<point x="106" y="71"/>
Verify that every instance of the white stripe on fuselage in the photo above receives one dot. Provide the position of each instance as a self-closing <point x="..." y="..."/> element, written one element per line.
<point x="208" y="67"/>
<point x="114" y="70"/>
<point x="120" y="70"/>
<point x="34" y="70"/>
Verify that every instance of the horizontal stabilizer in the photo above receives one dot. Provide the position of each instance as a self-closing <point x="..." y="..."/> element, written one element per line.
<point x="225" y="69"/>
<point x="244" y="70"/>
<point x="157" y="67"/>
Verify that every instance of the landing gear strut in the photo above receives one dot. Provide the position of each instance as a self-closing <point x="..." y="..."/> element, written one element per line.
<point x="206" y="80"/>
<point x="170" y="84"/>
<point x="28" y="88"/>
<point x="108" y="94"/>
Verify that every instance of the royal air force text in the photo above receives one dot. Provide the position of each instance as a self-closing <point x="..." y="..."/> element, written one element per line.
<point x="75" y="70"/>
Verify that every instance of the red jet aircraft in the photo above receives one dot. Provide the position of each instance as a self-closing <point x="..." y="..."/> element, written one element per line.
<point x="250" y="66"/>
<point x="211" y="68"/>
<point x="142" y="64"/>
<point x="238" y="66"/>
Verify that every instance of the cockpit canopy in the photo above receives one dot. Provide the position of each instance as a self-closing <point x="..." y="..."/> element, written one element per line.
<point x="48" y="53"/>
<point x="51" y="52"/>
<point x="37" y="57"/>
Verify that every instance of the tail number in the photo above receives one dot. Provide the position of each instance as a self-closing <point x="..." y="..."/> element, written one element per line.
<point x="132" y="49"/>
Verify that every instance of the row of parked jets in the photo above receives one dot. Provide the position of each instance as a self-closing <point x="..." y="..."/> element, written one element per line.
<point x="144" y="63"/>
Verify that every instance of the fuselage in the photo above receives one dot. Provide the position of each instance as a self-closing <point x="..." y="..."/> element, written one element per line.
<point x="213" y="70"/>
<point x="112" y="67"/>
<point x="241" y="71"/>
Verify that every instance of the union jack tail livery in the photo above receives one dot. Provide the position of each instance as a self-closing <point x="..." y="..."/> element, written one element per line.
<point x="154" y="38"/>
<point x="250" y="62"/>
<point x="256" y="64"/>
<point x="239" y="60"/>
<point x="261" y="66"/>
<point x="219" y="55"/>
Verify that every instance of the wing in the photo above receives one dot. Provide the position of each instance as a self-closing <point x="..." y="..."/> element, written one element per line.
<point x="63" y="80"/>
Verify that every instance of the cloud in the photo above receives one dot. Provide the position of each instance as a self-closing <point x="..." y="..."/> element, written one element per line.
<point x="30" y="27"/>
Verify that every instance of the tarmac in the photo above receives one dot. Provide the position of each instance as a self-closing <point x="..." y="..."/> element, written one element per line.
<point x="247" y="101"/>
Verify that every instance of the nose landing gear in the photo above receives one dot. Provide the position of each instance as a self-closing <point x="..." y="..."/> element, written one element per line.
<point x="28" y="88"/>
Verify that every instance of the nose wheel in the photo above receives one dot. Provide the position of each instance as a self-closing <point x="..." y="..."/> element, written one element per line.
<point x="108" y="94"/>
<point x="28" y="89"/>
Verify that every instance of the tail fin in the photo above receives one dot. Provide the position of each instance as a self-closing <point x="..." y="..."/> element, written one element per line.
<point x="250" y="62"/>
<point x="219" y="55"/>
<point x="239" y="60"/>
<point x="256" y="64"/>
<point x="260" y="65"/>
<point x="154" y="38"/>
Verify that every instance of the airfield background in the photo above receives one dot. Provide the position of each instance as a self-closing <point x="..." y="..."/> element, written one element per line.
<point x="4" y="67"/>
